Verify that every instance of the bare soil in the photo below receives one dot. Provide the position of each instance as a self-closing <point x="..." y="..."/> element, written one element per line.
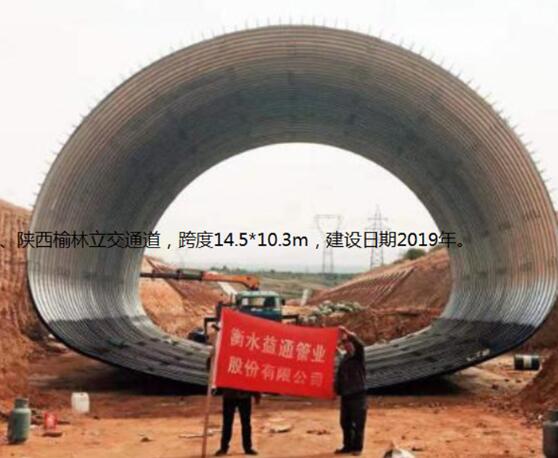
<point x="19" y="325"/>
<point x="541" y="395"/>
<point x="141" y="417"/>
<point x="398" y="299"/>
<point x="177" y="307"/>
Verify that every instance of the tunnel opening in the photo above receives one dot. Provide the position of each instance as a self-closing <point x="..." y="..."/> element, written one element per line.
<point x="278" y="190"/>
<point x="256" y="214"/>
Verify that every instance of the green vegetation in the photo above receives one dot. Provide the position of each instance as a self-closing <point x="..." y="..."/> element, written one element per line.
<point x="414" y="253"/>
<point x="290" y="284"/>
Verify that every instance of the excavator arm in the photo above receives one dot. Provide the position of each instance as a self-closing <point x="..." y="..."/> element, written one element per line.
<point x="252" y="283"/>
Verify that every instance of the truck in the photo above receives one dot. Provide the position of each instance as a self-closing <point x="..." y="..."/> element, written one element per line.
<point x="252" y="301"/>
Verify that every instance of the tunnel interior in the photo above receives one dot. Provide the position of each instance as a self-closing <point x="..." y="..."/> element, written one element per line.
<point x="160" y="129"/>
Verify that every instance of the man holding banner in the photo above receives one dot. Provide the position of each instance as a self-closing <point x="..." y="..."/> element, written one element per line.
<point x="350" y="384"/>
<point x="257" y="355"/>
<point x="241" y="400"/>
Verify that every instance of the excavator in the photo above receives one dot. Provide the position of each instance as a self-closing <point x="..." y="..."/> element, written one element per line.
<point x="253" y="301"/>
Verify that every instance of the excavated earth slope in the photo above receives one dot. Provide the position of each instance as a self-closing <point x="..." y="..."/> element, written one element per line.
<point x="19" y="325"/>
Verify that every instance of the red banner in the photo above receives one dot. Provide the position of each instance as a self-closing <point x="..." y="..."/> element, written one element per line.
<point x="255" y="354"/>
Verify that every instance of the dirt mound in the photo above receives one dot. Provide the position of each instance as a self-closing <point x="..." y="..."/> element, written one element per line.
<point x="399" y="299"/>
<point x="541" y="394"/>
<point x="399" y="291"/>
<point x="176" y="306"/>
<point x="387" y="324"/>
<point x="369" y="291"/>
<point x="19" y="325"/>
<point x="424" y="283"/>
<point x="546" y="337"/>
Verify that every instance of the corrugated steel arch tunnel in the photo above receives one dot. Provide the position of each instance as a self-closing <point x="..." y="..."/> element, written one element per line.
<point x="160" y="129"/>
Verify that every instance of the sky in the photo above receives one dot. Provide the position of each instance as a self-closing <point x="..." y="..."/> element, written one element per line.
<point x="59" y="58"/>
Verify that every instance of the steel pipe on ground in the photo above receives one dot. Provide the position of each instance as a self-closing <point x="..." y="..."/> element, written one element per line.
<point x="167" y="124"/>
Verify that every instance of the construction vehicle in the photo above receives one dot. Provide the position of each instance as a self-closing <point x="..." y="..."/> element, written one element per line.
<point x="262" y="304"/>
<point x="251" y="283"/>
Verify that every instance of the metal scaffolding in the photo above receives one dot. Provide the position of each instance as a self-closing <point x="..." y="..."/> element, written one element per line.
<point x="377" y="225"/>
<point x="334" y="223"/>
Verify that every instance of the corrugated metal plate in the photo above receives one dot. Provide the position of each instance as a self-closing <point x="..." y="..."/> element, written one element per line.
<point x="160" y="129"/>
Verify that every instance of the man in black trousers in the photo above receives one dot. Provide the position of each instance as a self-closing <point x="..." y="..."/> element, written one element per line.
<point x="241" y="400"/>
<point x="350" y="384"/>
<point x="236" y="399"/>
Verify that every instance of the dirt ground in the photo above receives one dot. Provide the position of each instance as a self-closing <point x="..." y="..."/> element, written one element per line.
<point x="134" y="416"/>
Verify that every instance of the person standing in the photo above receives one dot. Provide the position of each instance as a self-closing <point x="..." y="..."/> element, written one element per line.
<point x="236" y="399"/>
<point x="241" y="400"/>
<point x="350" y="384"/>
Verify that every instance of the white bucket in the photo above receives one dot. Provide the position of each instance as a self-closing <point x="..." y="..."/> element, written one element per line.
<point x="80" y="402"/>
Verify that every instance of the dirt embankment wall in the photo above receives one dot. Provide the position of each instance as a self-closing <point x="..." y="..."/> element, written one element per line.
<point x="398" y="299"/>
<point x="177" y="307"/>
<point x="19" y="325"/>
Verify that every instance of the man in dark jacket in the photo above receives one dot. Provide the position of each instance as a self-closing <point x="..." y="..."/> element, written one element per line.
<point x="350" y="384"/>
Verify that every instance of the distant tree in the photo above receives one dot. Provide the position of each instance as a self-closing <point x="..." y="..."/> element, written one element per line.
<point x="414" y="253"/>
